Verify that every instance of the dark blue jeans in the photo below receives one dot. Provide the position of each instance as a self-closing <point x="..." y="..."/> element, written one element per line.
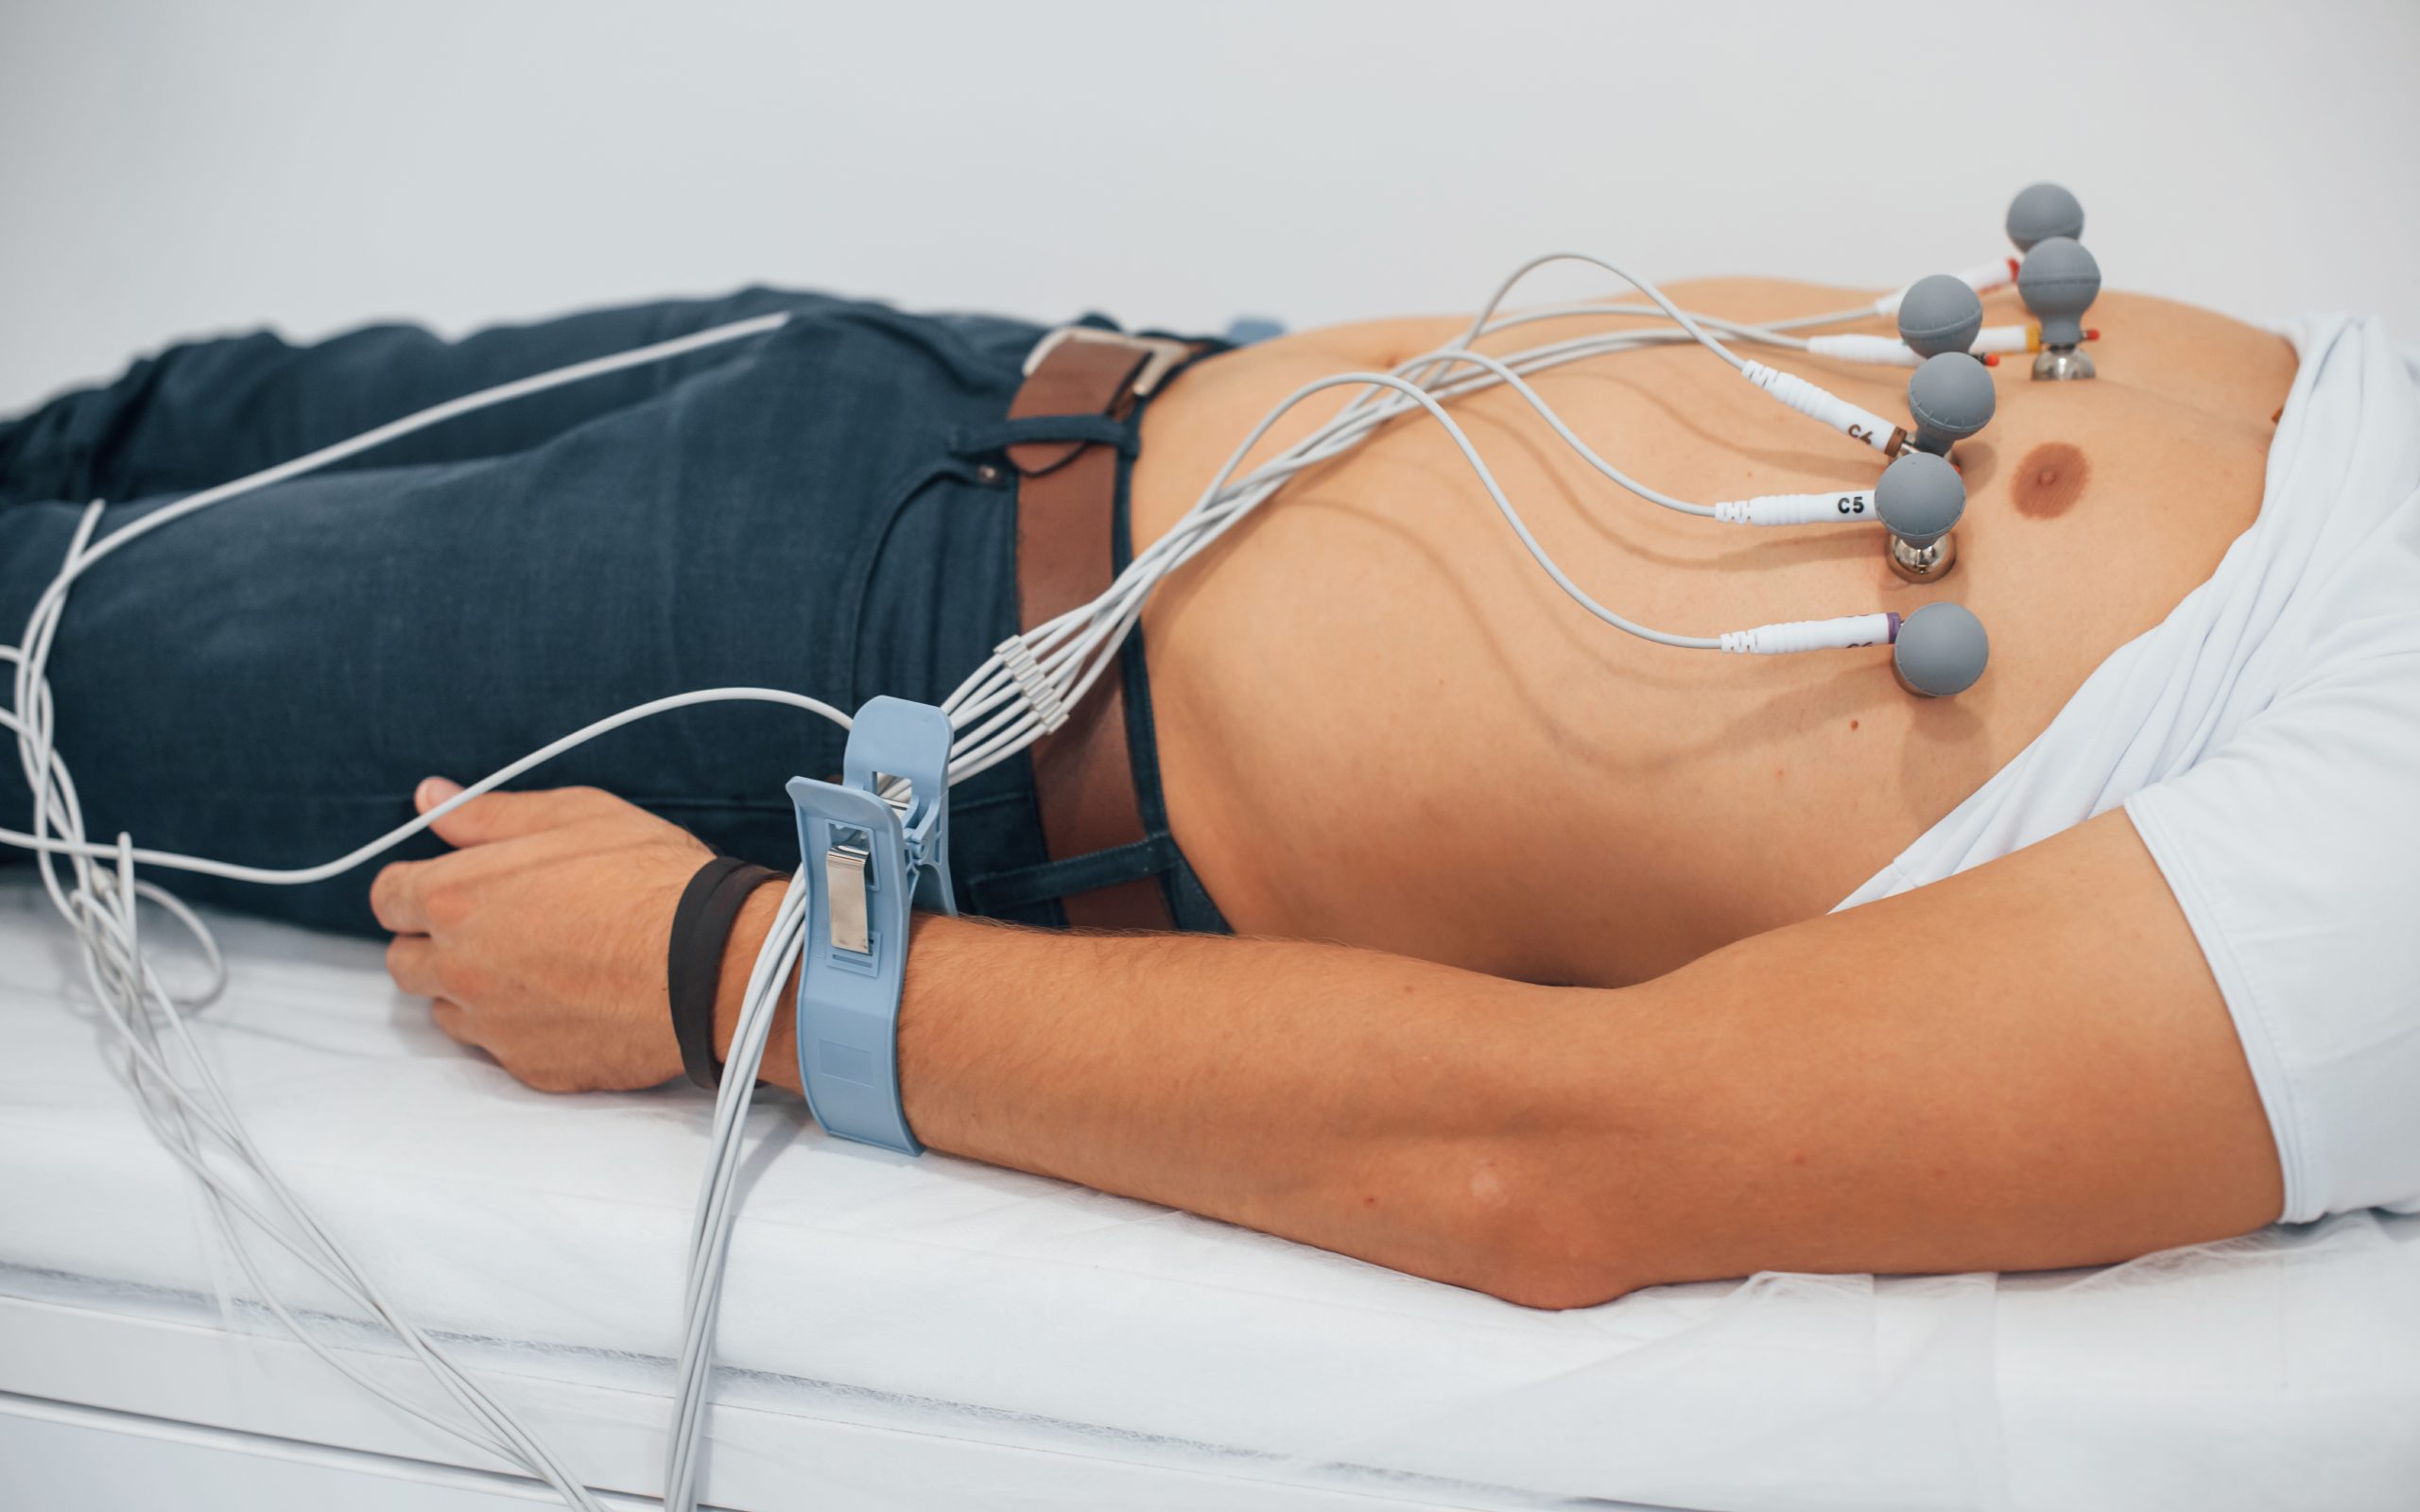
<point x="821" y="509"/>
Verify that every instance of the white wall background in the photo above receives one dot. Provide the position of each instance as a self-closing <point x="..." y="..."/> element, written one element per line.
<point x="170" y="169"/>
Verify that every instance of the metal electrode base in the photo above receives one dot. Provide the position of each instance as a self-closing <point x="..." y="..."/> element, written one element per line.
<point x="2063" y="362"/>
<point x="1922" y="564"/>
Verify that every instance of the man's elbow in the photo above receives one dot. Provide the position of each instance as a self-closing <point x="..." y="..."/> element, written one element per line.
<point x="1533" y="1243"/>
<point x="1555" y="1288"/>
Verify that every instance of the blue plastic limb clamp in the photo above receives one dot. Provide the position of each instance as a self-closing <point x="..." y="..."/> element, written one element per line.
<point x="868" y="861"/>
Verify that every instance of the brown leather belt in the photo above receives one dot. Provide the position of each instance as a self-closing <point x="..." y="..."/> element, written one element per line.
<point x="1083" y="772"/>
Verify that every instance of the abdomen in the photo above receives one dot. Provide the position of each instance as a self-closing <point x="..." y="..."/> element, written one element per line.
<point x="1382" y="724"/>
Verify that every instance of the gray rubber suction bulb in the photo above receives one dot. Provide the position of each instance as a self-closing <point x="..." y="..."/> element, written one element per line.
<point x="1940" y="650"/>
<point x="1950" y="398"/>
<point x="2040" y="212"/>
<point x="1940" y="314"/>
<point x="1919" y="497"/>
<point x="2059" y="280"/>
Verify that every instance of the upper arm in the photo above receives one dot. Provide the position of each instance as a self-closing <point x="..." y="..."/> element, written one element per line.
<point x="2026" y="1065"/>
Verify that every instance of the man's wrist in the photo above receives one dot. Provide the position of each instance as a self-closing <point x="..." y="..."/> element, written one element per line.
<point x="947" y="958"/>
<point x="748" y="932"/>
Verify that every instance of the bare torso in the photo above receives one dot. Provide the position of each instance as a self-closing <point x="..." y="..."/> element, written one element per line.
<point x="1380" y="724"/>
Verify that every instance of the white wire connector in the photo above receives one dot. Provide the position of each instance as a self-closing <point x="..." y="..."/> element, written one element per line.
<point x="1851" y="507"/>
<point x="1888" y="351"/>
<point x="1813" y="635"/>
<point x="2016" y="338"/>
<point x="1040" y="694"/>
<point x="1983" y="278"/>
<point x="1822" y="404"/>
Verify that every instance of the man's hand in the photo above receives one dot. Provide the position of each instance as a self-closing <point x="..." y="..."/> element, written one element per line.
<point x="541" y="938"/>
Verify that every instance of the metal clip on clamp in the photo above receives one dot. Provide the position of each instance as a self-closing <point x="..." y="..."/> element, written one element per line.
<point x="868" y="860"/>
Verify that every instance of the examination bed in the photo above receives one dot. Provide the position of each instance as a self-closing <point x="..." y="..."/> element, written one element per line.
<point x="937" y="1334"/>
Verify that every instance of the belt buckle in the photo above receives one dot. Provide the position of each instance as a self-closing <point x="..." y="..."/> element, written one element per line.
<point x="1161" y="353"/>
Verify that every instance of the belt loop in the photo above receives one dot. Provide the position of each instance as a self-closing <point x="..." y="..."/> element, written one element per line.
<point x="1018" y="436"/>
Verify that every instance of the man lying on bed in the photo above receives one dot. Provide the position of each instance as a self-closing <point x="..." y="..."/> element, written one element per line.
<point x="1535" y="983"/>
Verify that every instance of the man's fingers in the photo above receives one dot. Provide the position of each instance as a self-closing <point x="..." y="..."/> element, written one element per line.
<point x="411" y="960"/>
<point x="493" y="817"/>
<point x="397" y="896"/>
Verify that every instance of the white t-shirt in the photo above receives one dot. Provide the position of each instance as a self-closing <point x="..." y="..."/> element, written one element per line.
<point x="2264" y="741"/>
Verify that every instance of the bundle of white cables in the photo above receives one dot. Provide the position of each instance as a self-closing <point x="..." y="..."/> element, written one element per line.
<point x="1008" y="703"/>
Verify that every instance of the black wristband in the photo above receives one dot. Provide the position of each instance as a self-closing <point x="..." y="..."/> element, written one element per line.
<point x="693" y="963"/>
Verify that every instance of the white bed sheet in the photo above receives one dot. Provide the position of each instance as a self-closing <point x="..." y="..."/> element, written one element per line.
<point x="951" y="1299"/>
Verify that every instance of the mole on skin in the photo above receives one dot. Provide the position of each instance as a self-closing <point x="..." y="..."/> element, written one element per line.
<point x="2049" y="480"/>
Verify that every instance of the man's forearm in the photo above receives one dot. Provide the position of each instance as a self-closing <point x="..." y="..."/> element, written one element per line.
<point x="1380" y="1107"/>
<point x="2026" y="1065"/>
<point x="2053" y="1081"/>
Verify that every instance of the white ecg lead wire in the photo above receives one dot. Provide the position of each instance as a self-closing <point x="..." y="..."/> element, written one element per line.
<point x="1002" y="707"/>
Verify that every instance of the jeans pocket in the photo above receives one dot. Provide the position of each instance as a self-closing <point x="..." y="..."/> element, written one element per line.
<point x="932" y="586"/>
